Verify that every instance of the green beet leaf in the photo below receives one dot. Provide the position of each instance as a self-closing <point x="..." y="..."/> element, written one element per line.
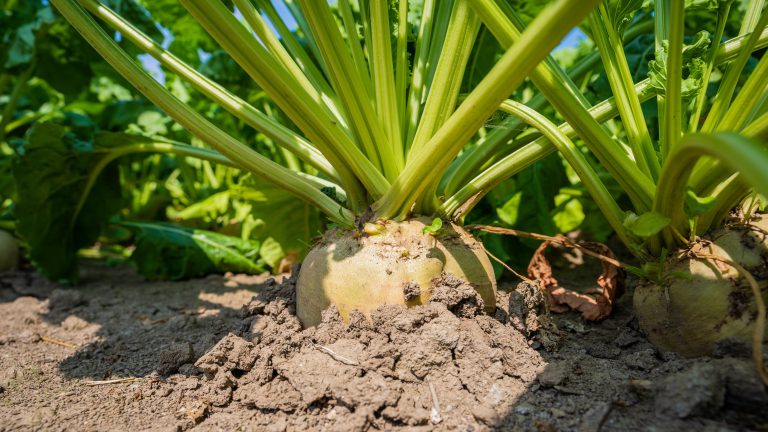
<point x="434" y="227"/>
<point x="283" y="223"/>
<point x="168" y="251"/>
<point x="51" y="176"/>
<point x="694" y="65"/>
<point x="645" y="225"/>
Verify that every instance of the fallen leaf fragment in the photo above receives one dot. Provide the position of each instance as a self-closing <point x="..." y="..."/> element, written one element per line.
<point x="594" y="304"/>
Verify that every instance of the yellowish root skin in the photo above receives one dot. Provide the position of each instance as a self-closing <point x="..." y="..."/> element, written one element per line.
<point x="9" y="252"/>
<point x="357" y="271"/>
<point x="690" y="316"/>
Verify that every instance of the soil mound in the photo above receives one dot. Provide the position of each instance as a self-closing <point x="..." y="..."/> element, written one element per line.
<point x="443" y="364"/>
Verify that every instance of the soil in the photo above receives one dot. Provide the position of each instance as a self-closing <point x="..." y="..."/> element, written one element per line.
<point x="227" y="353"/>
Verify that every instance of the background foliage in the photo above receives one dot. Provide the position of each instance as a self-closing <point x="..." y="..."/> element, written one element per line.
<point x="64" y="111"/>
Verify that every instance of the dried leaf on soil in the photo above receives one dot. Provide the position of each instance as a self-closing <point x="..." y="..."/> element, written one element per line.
<point x="593" y="304"/>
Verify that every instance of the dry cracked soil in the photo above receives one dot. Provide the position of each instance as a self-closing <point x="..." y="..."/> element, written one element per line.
<point x="228" y="353"/>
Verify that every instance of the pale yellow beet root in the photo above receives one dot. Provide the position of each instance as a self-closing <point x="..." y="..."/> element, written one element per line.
<point x="354" y="270"/>
<point x="9" y="251"/>
<point x="691" y="316"/>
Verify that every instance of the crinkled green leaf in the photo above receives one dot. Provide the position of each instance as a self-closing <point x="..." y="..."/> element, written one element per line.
<point x="694" y="54"/>
<point x="51" y="175"/>
<point x="19" y="43"/>
<point x="207" y="209"/>
<point x="168" y="251"/>
<point x="645" y="225"/>
<point x="283" y="223"/>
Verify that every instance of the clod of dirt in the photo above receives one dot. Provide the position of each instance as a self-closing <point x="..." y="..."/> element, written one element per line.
<point x="232" y="354"/>
<point x="196" y="412"/>
<point x="26" y="336"/>
<point x="65" y="299"/>
<point x="698" y="391"/>
<point x="555" y="373"/>
<point x="457" y="295"/>
<point x="643" y="360"/>
<point x="411" y="291"/>
<point x="526" y="303"/>
<point x="485" y="414"/>
<point x="189" y="369"/>
<point x="175" y="356"/>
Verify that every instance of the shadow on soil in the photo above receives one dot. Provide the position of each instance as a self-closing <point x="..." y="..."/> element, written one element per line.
<point x="129" y="322"/>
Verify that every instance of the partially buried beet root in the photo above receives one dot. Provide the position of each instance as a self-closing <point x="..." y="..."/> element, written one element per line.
<point x="395" y="265"/>
<point x="704" y="302"/>
<point x="9" y="251"/>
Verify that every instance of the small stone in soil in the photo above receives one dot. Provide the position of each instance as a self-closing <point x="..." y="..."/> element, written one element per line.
<point x="65" y="299"/>
<point x="698" y="391"/>
<point x="178" y="322"/>
<point x="554" y="373"/>
<point x="175" y="356"/>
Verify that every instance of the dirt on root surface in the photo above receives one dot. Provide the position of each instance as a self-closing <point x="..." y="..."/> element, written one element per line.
<point x="228" y="353"/>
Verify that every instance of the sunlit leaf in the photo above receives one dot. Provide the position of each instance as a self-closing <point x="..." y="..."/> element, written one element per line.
<point x="168" y="251"/>
<point x="645" y="225"/>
